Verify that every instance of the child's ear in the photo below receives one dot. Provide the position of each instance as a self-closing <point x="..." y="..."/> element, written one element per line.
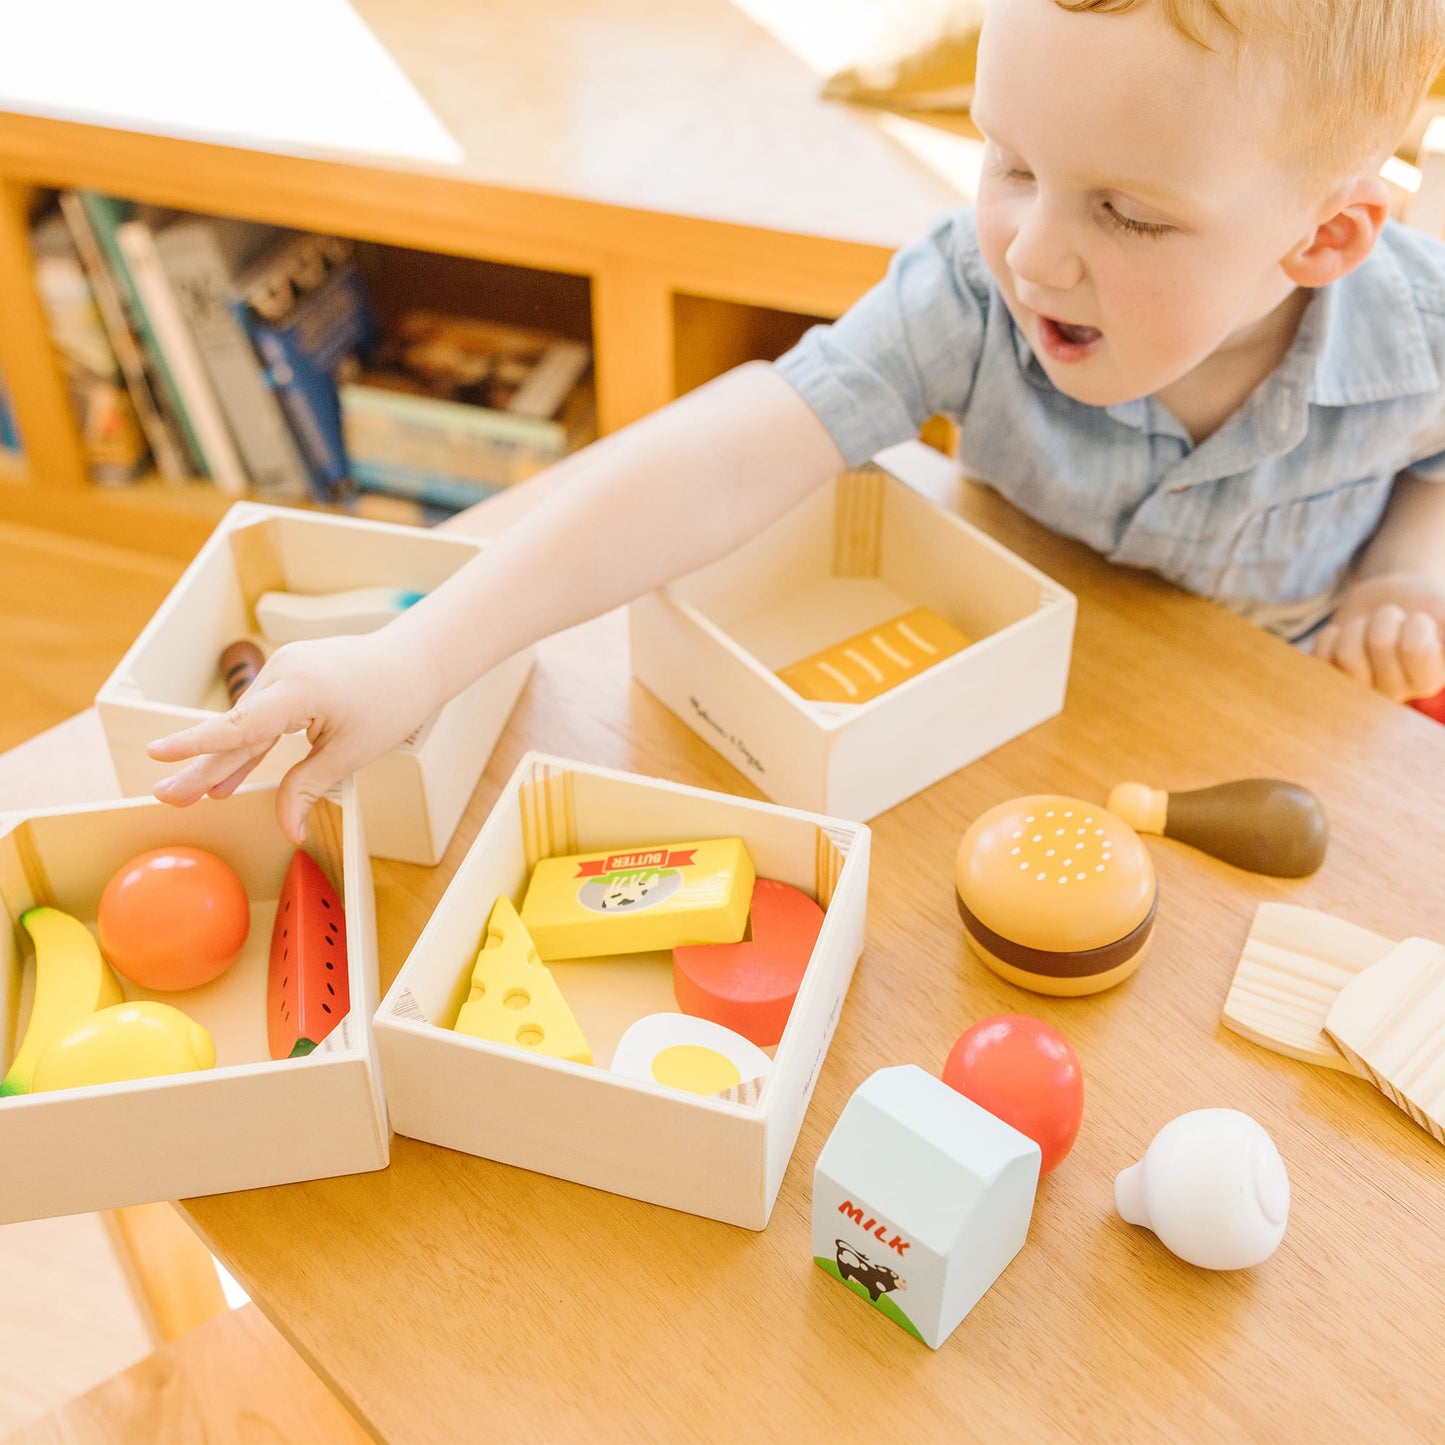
<point x="1341" y="241"/>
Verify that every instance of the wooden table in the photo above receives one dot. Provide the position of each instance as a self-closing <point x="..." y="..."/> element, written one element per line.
<point x="450" y="1298"/>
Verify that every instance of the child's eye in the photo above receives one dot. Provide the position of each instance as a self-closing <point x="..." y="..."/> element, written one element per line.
<point x="1121" y="222"/>
<point x="1001" y="168"/>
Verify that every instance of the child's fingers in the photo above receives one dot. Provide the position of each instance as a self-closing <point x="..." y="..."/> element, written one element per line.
<point x="259" y="717"/>
<point x="1347" y="649"/>
<point x="215" y="735"/>
<point x="1325" y="642"/>
<point x="1382" y="645"/>
<point x="194" y="781"/>
<point x="309" y="780"/>
<point x="229" y="784"/>
<point x="1422" y="656"/>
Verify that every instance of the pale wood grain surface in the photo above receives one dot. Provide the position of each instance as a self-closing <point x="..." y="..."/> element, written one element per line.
<point x="447" y="1291"/>
<point x="69" y="610"/>
<point x="68" y="1322"/>
<point x="232" y="1381"/>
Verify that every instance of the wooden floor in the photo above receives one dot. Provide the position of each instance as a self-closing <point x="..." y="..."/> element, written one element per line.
<point x="68" y="611"/>
<point x="68" y="1321"/>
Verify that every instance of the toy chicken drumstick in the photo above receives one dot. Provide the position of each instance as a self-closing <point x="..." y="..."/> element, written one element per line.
<point x="1261" y="824"/>
<point x="240" y="663"/>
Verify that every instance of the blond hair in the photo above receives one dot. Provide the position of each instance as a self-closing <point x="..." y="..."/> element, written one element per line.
<point x="1355" y="70"/>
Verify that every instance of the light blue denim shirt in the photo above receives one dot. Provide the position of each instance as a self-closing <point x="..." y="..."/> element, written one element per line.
<point x="1267" y="515"/>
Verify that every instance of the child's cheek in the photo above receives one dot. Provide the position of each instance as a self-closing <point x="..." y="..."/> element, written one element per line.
<point x="995" y="233"/>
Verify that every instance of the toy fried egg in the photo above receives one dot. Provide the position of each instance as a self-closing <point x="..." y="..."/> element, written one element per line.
<point x="692" y="1054"/>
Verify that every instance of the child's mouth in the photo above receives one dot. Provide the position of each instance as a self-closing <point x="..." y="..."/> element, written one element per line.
<point x="1063" y="341"/>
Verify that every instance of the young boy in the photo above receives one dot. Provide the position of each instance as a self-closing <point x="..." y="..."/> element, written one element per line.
<point x="1176" y="326"/>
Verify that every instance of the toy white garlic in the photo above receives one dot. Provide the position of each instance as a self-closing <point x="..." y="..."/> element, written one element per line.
<point x="1213" y="1187"/>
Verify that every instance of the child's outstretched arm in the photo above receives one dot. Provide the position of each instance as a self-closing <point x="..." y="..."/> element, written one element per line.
<point x="658" y="499"/>
<point x="1389" y="629"/>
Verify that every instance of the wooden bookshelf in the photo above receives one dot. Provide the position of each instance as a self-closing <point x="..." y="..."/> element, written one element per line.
<point x="750" y="208"/>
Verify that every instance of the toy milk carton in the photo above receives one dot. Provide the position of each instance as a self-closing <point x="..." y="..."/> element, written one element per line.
<point x="920" y="1199"/>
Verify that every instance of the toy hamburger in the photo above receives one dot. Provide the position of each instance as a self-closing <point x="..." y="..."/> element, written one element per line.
<point x="1057" y="895"/>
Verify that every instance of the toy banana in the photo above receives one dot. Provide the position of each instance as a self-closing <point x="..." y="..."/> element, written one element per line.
<point x="126" y="1041"/>
<point x="72" y="981"/>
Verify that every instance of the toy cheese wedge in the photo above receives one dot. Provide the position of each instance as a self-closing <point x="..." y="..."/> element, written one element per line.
<point x="637" y="900"/>
<point x="514" y="999"/>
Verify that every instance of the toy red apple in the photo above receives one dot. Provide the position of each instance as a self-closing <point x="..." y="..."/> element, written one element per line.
<point x="1026" y="1073"/>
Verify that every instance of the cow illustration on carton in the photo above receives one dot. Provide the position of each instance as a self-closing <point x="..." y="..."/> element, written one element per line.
<point x="877" y="1279"/>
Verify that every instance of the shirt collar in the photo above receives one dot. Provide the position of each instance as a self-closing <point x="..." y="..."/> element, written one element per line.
<point x="1369" y="343"/>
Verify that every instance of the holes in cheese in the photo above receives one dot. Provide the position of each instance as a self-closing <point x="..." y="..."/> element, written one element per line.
<point x="513" y="999"/>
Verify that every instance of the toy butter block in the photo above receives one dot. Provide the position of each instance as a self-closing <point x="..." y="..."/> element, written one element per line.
<point x="920" y="1199"/>
<point x="1390" y="1022"/>
<point x="865" y="666"/>
<point x="513" y="999"/>
<point x="749" y="987"/>
<point x="592" y="905"/>
<point x="1294" y="964"/>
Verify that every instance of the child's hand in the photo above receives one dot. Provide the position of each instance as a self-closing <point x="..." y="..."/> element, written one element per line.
<point x="1389" y="632"/>
<point x="355" y="697"/>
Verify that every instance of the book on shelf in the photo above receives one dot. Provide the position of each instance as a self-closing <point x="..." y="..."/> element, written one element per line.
<point x="403" y="511"/>
<point x="165" y="445"/>
<point x="111" y="436"/>
<point x="106" y="215"/>
<point x="202" y="258"/>
<point x="306" y="310"/>
<point x="447" y="410"/>
<point x="219" y="452"/>
<point x="9" y="427"/>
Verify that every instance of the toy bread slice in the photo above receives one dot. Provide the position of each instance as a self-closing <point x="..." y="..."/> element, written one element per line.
<point x="1294" y="964"/>
<point x="1390" y="1023"/>
<point x="863" y="667"/>
<point x="513" y="999"/>
<point x="591" y="905"/>
<point x="294" y="616"/>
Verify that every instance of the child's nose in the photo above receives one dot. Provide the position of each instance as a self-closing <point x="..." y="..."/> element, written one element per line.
<point x="1040" y="253"/>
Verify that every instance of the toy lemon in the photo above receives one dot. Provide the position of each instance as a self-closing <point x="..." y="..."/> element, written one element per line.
<point x="125" y="1041"/>
<point x="1057" y="895"/>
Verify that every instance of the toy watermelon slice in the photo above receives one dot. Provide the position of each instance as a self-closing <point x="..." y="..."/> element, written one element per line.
<point x="308" y="990"/>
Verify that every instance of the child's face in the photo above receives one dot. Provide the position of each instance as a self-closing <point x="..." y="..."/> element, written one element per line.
<point x="1129" y="210"/>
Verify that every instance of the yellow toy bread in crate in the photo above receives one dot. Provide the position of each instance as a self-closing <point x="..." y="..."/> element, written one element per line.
<point x="865" y="666"/>
<point x="590" y="905"/>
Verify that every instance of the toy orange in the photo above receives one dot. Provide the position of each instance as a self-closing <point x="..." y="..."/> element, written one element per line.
<point x="173" y="918"/>
<point x="1057" y="895"/>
